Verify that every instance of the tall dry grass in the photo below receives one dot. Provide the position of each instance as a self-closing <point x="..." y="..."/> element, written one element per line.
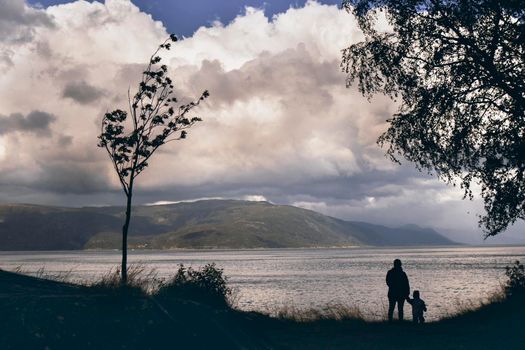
<point x="140" y="277"/>
<point x="330" y="312"/>
<point x="58" y="276"/>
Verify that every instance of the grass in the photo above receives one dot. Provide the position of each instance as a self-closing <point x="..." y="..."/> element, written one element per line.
<point x="331" y="312"/>
<point x="37" y="313"/>
<point x="498" y="325"/>
<point x="141" y="279"/>
<point x="465" y="307"/>
<point x="42" y="273"/>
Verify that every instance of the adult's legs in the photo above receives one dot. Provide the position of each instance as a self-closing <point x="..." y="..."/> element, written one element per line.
<point x="391" y="306"/>
<point x="400" y="303"/>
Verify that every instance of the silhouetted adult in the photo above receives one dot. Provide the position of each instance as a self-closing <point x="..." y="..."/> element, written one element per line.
<point x="398" y="289"/>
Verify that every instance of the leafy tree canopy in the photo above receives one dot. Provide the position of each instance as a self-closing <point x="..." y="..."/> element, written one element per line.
<point x="457" y="70"/>
<point x="155" y="118"/>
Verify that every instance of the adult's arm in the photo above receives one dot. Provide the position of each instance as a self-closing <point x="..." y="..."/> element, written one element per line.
<point x="406" y="285"/>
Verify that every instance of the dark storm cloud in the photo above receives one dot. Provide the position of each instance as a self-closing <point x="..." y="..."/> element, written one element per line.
<point x="74" y="178"/>
<point x="36" y="122"/>
<point x="82" y="92"/>
<point x="329" y="190"/>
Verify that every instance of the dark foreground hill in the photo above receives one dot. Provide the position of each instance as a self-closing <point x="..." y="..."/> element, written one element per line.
<point x="202" y="224"/>
<point x="41" y="314"/>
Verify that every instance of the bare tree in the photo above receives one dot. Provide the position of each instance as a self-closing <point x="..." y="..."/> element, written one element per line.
<point x="155" y="118"/>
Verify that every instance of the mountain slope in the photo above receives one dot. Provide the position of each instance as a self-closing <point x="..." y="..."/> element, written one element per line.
<point x="201" y="224"/>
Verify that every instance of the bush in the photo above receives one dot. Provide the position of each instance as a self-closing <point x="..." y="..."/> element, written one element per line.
<point x="207" y="285"/>
<point x="516" y="279"/>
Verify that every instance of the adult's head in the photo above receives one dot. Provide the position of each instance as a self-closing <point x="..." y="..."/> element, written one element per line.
<point x="397" y="264"/>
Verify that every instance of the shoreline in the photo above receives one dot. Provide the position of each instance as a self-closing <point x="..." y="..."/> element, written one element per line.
<point x="39" y="313"/>
<point x="142" y="250"/>
<point x="265" y="278"/>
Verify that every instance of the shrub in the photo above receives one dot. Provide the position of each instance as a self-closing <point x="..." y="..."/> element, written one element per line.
<point x="516" y="279"/>
<point x="207" y="285"/>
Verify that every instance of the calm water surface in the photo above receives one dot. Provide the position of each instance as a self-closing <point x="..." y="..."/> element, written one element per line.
<point x="266" y="280"/>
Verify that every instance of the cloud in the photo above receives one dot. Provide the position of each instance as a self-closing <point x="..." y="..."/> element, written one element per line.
<point x="65" y="141"/>
<point x="35" y="122"/>
<point x="255" y="198"/>
<point x="279" y="124"/>
<point x="64" y="177"/>
<point x="18" y="23"/>
<point x="82" y="92"/>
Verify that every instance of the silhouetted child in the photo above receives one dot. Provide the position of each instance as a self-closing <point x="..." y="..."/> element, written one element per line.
<point x="418" y="307"/>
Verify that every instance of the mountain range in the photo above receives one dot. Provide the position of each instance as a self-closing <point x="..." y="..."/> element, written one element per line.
<point x="229" y="224"/>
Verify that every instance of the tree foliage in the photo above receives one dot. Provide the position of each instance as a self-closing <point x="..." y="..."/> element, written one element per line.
<point x="457" y="70"/>
<point x="515" y="279"/>
<point x="155" y="118"/>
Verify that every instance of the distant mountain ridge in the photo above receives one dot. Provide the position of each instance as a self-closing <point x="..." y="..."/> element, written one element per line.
<point x="225" y="224"/>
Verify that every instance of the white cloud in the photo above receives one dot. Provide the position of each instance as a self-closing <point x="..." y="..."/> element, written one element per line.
<point x="187" y="201"/>
<point x="18" y="23"/>
<point x="2" y="148"/>
<point x="255" y="198"/>
<point x="279" y="123"/>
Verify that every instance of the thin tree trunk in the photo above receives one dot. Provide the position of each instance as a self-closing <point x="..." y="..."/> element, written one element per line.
<point x="124" y="267"/>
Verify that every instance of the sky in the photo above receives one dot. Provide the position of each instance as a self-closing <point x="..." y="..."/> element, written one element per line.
<point x="185" y="17"/>
<point x="280" y="125"/>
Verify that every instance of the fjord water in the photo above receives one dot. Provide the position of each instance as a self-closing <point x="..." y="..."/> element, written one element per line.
<point x="271" y="279"/>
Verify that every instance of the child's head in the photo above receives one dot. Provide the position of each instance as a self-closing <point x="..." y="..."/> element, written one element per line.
<point x="416" y="294"/>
